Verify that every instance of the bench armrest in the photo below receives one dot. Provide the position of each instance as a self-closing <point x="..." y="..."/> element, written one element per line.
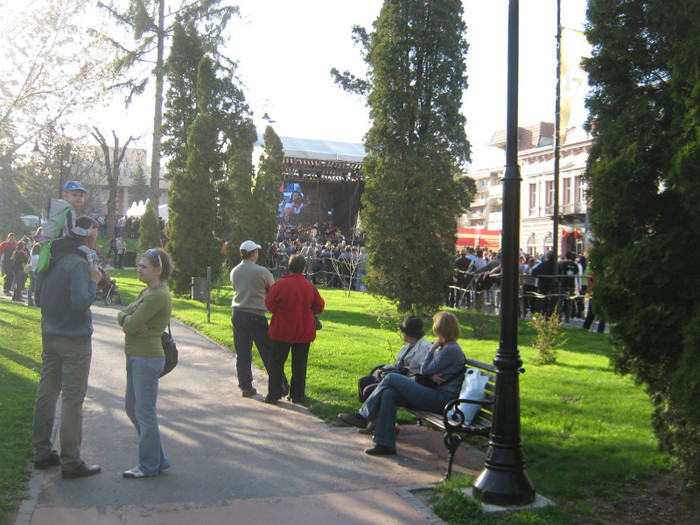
<point x="457" y="417"/>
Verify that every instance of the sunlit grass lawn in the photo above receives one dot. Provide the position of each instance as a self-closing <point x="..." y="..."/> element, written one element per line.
<point x="585" y="430"/>
<point x="20" y="364"/>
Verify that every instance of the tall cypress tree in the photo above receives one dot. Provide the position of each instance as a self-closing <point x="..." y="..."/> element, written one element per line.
<point x="149" y="229"/>
<point x="644" y="173"/>
<point x="415" y="148"/>
<point x="266" y="194"/>
<point x="208" y="130"/>
<point x="193" y="210"/>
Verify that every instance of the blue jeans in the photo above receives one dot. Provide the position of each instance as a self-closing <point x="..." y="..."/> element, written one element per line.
<point x="249" y="328"/>
<point x="140" y="403"/>
<point x="394" y="391"/>
<point x="32" y="289"/>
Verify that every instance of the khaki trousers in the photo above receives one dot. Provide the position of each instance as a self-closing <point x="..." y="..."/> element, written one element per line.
<point x="65" y="366"/>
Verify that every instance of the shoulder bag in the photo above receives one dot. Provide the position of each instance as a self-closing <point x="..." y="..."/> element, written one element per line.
<point x="170" y="350"/>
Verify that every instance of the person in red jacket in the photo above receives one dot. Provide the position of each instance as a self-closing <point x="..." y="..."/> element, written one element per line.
<point x="293" y="302"/>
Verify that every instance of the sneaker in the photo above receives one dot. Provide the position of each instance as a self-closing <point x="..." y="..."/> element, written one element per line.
<point x="354" y="420"/>
<point x="271" y="400"/>
<point x="248" y="392"/>
<point x="134" y="473"/>
<point x="381" y="450"/>
<point x="52" y="460"/>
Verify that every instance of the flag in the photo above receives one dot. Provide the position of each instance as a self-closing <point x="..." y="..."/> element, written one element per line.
<point x="574" y="47"/>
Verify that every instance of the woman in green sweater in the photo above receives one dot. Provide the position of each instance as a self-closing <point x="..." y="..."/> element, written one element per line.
<point x="143" y="322"/>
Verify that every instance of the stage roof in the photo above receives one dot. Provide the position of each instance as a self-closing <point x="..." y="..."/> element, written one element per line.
<point x="321" y="159"/>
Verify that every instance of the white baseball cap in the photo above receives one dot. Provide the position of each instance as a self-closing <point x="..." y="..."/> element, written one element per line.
<point x="249" y="246"/>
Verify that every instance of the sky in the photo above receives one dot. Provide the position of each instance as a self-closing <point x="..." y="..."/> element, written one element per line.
<point x="286" y="48"/>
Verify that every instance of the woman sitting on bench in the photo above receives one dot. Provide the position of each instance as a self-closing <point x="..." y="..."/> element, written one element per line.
<point x="443" y="364"/>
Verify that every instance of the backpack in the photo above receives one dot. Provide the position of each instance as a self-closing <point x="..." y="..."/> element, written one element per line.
<point x="45" y="251"/>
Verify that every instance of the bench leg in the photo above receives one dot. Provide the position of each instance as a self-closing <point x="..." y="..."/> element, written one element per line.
<point x="452" y="442"/>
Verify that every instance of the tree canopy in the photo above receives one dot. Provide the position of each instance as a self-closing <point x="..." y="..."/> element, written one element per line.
<point x="644" y="184"/>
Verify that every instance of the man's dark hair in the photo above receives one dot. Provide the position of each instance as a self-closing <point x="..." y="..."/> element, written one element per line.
<point x="85" y="222"/>
<point x="245" y="254"/>
<point x="297" y="263"/>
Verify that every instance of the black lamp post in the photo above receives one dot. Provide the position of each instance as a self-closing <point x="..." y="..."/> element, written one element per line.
<point x="504" y="480"/>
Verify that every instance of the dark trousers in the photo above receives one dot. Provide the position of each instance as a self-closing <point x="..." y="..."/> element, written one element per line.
<point x="366" y="385"/>
<point x="278" y="357"/>
<point x="590" y="317"/>
<point x="249" y="328"/>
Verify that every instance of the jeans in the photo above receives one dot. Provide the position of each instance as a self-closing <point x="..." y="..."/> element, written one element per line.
<point x="249" y="328"/>
<point x="300" y="358"/>
<point x="65" y="366"/>
<point x="394" y="391"/>
<point x="32" y="289"/>
<point x="140" y="403"/>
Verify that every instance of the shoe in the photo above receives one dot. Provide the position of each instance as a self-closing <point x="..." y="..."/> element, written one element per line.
<point x="248" y="392"/>
<point x="271" y="400"/>
<point x="354" y="420"/>
<point x="134" y="473"/>
<point x="52" y="460"/>
<point x="381" y="450"/>
<point x="367" y="431"/>
<point x="82" y="471"/>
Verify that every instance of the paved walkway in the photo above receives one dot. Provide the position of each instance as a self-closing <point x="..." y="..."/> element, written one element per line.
<point x="235" y="460"/>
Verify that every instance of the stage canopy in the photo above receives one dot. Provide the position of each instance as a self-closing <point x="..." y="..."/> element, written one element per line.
<point x="328" y="178"/>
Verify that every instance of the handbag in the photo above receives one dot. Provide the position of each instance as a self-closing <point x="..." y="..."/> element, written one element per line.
<point x="170" y="349"/>
<point x="27" y="269"/>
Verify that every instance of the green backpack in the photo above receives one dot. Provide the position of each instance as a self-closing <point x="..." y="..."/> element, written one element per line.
<point x="45" y="251"/>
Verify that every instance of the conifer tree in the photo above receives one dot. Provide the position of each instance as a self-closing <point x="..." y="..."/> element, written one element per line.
<point x="208" y="132"/>
<point x="149" y="230"/>
<point x="415" y="148"/>
<point x="140" y="189"/>
<point x="266" y="193"/>
<point x="643" y="173"/>
<point x="193" y="211"/>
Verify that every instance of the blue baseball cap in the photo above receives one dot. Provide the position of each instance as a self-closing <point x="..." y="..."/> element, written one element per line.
<point x="73" y="185"/>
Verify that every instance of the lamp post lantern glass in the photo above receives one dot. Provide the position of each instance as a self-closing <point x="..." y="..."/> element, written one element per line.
<point x="504" y="480"/>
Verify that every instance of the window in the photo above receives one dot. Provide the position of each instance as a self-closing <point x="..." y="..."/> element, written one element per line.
<point x="533" y="195"/>
<point x="549" y="189"/>
<point x="566" y="191"/>
<point x="580" y="189"/>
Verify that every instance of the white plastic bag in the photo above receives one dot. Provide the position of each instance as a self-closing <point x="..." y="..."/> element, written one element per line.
<point x="473" y="389"/>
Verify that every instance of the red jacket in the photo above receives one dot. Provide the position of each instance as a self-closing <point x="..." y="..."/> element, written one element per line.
<point x="293" y="302"/>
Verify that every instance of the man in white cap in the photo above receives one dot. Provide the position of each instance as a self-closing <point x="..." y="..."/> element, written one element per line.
<point x="250" y="283"/>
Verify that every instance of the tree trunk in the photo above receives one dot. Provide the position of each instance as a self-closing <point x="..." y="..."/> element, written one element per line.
<point x="158" y="110"/>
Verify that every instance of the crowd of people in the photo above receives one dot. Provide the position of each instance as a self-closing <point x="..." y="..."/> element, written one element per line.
<point x="544" y="285"/>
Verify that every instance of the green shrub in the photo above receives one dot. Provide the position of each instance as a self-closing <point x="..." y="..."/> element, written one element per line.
<point x="549" y="337"/>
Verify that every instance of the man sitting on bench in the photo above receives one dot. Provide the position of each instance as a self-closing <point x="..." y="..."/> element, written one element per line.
<point x="408" y="362"/>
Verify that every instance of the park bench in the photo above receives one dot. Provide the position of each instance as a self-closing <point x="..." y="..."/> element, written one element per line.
<point x="455" y="429"/>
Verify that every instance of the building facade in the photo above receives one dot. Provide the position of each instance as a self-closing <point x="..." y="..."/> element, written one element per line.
<point x="537" y="190"/>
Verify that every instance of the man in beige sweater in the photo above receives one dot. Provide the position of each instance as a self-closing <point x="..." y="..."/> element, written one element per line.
<point x="250" y="283"/>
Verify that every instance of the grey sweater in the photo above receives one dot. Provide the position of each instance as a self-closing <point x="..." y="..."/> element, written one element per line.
<point x="66" y="296"/>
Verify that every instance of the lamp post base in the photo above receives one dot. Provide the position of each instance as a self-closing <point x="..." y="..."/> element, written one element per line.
<point x="504" y="488"/>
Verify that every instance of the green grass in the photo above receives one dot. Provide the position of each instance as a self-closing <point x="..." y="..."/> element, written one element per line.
<point x="20" y="364"/>
<point x="585" y="430"/>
